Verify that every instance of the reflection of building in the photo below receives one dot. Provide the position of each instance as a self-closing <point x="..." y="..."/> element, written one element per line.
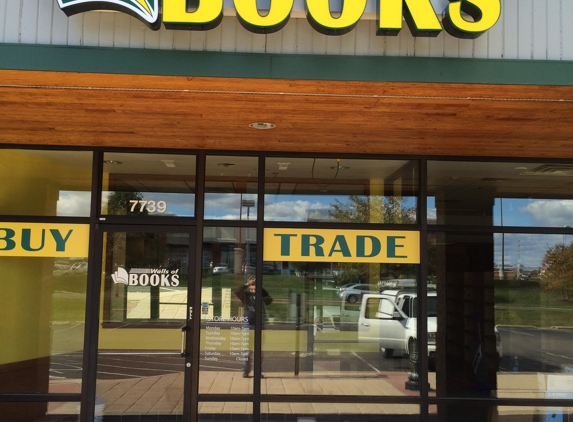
<point x="203" y="140"/>
<point x="231" y="246"/>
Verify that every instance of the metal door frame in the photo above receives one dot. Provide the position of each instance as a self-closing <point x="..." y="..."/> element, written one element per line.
<point x="189" y="362"/>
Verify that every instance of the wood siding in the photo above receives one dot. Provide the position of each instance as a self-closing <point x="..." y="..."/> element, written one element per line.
<point x="97" y="110"/>
<point x="527" y="30"/>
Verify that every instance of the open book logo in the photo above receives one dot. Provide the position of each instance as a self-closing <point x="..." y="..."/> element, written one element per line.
<point x="144" y="10"/>
<point x="121" y="276"/>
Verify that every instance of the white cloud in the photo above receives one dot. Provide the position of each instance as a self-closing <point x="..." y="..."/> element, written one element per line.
<point x="553" y="213"/>
<point x="227" y="206"/>
<point x="74" y="204"/>
<point x="292" y="210"/>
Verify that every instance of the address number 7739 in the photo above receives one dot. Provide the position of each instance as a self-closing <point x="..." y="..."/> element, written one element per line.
<point x="150" y="206"/>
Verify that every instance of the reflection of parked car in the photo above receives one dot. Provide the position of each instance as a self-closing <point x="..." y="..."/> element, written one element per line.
<point x="398" y="283"/>
<point x="61" y="265"/>
<point x="269" y="269"/>
<point x="79" y="267"/>
<point x="498" y="345"/>
<point x="390" y="319"/>
<point x="221" y="269"/>
<point x="354" y="292"/>
<point x="249" y="268"/>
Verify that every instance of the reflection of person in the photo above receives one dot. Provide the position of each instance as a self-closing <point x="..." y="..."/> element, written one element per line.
<point x="246" y="293"/>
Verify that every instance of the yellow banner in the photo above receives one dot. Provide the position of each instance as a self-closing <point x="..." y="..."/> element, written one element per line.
<point x="370" y="246"/>
<point x="44" y="240"/>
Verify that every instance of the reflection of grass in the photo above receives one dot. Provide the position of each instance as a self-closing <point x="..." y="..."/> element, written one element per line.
<point x="519" y="303"/>
<point x="280" y="288"/>
<point x="71" y="282"/>
<point x="528" y="294"/>
<point x="535" y="318"/>
<point x="68" y="307"/>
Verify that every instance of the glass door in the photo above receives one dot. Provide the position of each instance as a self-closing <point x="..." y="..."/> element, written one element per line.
<point x="144" y="323"/>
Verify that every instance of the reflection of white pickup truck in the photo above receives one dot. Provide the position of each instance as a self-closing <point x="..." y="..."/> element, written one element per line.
<point x="390" y="319"/>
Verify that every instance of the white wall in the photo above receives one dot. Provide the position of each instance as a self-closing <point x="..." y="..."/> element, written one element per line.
<point x="528" y="29"/>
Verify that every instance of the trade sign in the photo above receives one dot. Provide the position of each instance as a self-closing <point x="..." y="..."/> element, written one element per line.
<point x="367" y="246"/>
<point x="461" y="18"/>
<point x="44" y="240"/>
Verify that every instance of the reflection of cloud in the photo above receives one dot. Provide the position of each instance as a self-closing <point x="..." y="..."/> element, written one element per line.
<point x="528" y="248"/>
<point x="554" y="213"/>
<point x="291" y="210"/>
<point x="432" y="213"/>
<point x="227" y="206"/>
<point x="74" y="204"/>
<point x="178" y="204"/>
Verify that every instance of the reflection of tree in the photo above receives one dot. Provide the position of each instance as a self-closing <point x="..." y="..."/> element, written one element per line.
<point x="373" y="209"/>
<point x="307" y="269"/>
<point x="119" y="203"/>
<point x="432" y="258"/>
<point x="557" y="272"/>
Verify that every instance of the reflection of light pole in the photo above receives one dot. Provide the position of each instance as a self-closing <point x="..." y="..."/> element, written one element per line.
<point x="502" y="241"/>
<point x="247" y="203"/>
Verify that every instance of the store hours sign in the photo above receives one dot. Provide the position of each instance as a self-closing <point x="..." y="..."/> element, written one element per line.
<point x="460" y="18"/>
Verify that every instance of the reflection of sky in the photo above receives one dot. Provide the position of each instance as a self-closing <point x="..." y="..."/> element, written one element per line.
<point x="539" y="212"/>
<point x="305" y="207"/>
<point x="178" y="204"/>
<point x="523" y="212"/>
<point x="227" y="206"/>
<point x="529" y="249"/>
<point x="74" y="204"/>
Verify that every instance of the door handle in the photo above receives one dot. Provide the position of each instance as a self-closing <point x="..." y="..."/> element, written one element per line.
<point x="366" y="324"/>
<point x="184" y="330"/>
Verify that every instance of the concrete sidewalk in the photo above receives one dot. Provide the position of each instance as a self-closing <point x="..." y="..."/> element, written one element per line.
<point x="163" y="395"/>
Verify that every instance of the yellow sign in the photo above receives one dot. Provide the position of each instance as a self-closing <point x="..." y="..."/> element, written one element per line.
<point x="368" y="246"/>
<point x="461" y="18"/>
<point x="44" y="240"/>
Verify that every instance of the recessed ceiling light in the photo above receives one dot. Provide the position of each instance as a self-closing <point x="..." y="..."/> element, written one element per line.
<point x="283" y="166"/>
<point x="169" y="163"/>
<point x="339" y="167"/>
<point x="112" y="162"/>
<point x="225" y="164"/>
<point x="262" y="125"/>
<point x="521" y="168"/>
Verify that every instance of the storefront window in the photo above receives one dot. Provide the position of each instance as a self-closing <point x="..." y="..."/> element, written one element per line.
<point x="50" y="411"/>
<point x="45" y="183"/>
<point x="159" y="185"/>
<point x="227" y="311"/>
<point x="231" y="188"/>
<point x="42" y="330"/>
<point x="144" y="297"/>
<point x="225" y="412"/>
<point x="340" y="411"/>
<point x="504" y="317"/>
<point x="338" y="328"/>
<point x="340" y="190"/>
<point x="500" y="194"/>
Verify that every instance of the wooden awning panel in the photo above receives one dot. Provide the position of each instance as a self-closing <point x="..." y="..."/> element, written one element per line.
<point x="52" y="108"/>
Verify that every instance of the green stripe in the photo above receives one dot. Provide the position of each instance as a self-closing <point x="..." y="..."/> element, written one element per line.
<point x="287" y="66"/>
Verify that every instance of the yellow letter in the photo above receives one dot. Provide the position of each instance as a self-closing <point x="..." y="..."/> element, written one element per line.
<point x="419" y="15"/>
<point x="484" y="13"/>
<point x="208" y="15"/>
<point x="274" y="21"/>
<point x="320" y="17"/>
